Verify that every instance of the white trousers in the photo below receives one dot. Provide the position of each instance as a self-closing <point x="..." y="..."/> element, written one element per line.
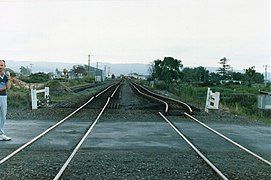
<point x="3" y="112"/>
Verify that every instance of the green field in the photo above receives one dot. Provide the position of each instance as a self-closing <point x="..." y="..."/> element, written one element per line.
<point x="237" y="99"/>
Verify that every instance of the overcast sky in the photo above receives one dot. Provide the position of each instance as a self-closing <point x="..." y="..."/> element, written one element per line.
<point x="198" y="32"/>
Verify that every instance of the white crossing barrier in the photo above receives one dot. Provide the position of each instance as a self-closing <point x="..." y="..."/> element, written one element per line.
<point x="212" y="100"/>
<point x="34" y="98"/>
<point x="264" y="101"/>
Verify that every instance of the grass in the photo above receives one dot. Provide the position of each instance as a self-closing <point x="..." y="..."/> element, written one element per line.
<point x="59" y="92"/>
<point x="19" y="98"/>
<point x="237" y="99"/>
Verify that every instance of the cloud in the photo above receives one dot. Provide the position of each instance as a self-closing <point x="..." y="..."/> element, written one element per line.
<point x="198" y="32"/>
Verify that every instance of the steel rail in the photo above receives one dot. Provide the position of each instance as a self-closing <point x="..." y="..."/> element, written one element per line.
<point x="229" y="140"/>
<point x="166" y="104"/>
<point x="190" y="109"/>
<point x="195" y="149"/>
<point x="115" y="91"/>
<point x="43" y="133"/>
<point x="104" y="90"/>
<point x="46" y="131"/>
<point x="63" y="168"/>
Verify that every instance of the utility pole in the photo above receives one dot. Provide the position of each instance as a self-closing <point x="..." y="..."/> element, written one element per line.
<point x="97" y="72"/>
<point x="31" y="66"/>
<point x="265" y="74"/>
<point x="97" y="66"/>
<point x="104" y="71"/>
<point x="88" y="64"/>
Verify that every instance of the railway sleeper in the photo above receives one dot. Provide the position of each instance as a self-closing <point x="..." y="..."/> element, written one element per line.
<point x="175" y="113"/>
<point x="113" y="106"/>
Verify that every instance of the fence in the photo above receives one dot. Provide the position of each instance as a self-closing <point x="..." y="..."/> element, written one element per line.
<point x="34" y="98"/>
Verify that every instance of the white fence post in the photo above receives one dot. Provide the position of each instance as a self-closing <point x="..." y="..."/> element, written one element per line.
<point x="212" y="100"/>
<point x="46" y="95"/>
<point x="34" y="98"/>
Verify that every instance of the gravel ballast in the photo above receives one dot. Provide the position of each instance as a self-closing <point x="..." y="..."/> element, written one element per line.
<point x="133" y="142"/>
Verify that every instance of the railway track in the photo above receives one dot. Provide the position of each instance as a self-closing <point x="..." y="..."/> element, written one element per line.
<point x="100" y="100"/>
<point x="163" y="108"/>
<point x="187" y="111"/>
<point x="172" y="106"/>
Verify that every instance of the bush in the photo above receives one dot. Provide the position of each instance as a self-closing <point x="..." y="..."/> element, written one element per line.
<point x="55" y="86"/>
<point x="160" y="85"/>
<point x="89" y="79"/>
<point x="239" y="99"/>
<point x="36" y="78"/>
<point x="19" y="98"/>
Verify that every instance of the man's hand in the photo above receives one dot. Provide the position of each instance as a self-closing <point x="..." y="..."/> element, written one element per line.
<point x="8" y="74"/>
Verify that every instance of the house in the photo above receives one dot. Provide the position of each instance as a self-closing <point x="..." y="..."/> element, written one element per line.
<point x="137" y="76"/>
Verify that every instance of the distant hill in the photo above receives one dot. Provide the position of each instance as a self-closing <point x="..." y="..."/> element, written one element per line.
<point x="38" y="66"/>
<point x="124" y="69"/>
<point x="117" y="69"/>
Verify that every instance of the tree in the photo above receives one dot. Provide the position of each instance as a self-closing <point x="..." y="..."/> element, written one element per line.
<point x="202" y="74"/>
<point x="168" y="70"/>
<point x="250" y="73"/>
<point x="198" y="74"/>
<point x="188" y="75"/>
<point x="258" y="78"/>
<point x="214" y="78"/>
<point x="155" y="69"/>
<point x="252" y="76"/>
<point x="238" y="76"/>
<point x="224" y="70"/>
<point x="58" y="72"/>
<point x="25" y="71"/>
<point x="37" y="78"/>
<point x="65" y="72"/>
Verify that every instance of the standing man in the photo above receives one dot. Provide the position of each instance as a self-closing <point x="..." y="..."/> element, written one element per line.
<point x="5" y="84"/>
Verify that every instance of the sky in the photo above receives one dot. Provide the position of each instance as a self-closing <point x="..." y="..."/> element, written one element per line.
<point x="198" y="32"/>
